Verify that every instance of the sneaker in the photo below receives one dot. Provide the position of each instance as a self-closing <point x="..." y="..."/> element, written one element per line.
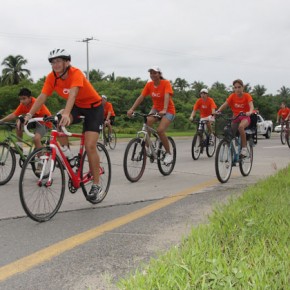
<point x="94" y="192"/>
<point x="244" y="152"/>
<point x="168" y="158"/>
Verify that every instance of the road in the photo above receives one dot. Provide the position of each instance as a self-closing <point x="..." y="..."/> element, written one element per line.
<point x="90" y="247"/>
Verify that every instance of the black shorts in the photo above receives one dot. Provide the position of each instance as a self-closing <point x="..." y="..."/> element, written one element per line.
<point x="93" y="117"/>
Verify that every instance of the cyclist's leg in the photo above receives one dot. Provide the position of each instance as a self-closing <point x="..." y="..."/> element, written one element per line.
<point x="40" y="131"/>
<point x="163" y="125"/>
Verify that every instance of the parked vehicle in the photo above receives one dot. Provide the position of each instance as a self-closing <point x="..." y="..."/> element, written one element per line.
<point x="277" y="128"/>
<point x="264" y="127"/>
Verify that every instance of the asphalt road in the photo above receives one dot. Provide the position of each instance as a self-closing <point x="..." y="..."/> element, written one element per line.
<point x="90" y="247"/>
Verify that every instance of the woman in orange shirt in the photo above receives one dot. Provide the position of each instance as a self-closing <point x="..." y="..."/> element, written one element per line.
<point x="161" y="93"/>
<point x="82" y="99"/>
<point x="240" y="102"/>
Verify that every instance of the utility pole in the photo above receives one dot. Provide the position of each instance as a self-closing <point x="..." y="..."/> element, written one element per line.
<point x="87" y="40"/>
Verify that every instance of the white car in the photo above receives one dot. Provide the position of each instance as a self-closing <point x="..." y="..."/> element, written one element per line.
<point x="277" y="128"/>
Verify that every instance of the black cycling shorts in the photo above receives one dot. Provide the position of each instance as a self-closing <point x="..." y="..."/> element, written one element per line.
<point x="93" y="117"/>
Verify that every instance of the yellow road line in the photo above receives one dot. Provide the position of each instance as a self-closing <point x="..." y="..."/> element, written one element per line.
<point x="56" y="249"/>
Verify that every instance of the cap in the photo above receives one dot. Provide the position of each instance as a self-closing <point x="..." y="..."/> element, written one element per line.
<point x="104" y="97"/>
<point x="155" y="68"/>
<point x="204" y="91"/>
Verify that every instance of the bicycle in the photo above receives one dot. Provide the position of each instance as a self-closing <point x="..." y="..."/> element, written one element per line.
<point x="229" y="148"/>
<point x="41" y="196"/>
<point x="202" y="139"/>
<point x="8" y="151"/>
<point x="146" y="144"/>
<point x="284" y="132"/>
<point x="108" y="139"/>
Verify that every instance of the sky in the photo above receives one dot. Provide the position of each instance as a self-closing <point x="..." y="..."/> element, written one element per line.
<point x="196" y="40"/>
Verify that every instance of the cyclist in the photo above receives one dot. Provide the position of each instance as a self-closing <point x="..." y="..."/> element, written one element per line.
<point x="206" y="106"/>
<point x="82" y="99"/>
<point x="240" y="102"/>
<point x="282" y="113"/>
<point x="161" y="93"/>
<point x="109" y="114"/>
<point x="26" y="102"/>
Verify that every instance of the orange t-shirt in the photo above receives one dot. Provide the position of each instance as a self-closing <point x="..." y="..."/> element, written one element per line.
<point x="43" y="111"/>
<point x="108" y="108"/>
<point x="157" y="94"/>
<point x="284" y="113"/>
<point x="205" y="107"/>
<point x="87" y="95"/>
<point x="239" y="104"/>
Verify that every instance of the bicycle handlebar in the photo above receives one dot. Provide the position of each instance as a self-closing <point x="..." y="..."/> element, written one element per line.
<point x="156" y="115"/>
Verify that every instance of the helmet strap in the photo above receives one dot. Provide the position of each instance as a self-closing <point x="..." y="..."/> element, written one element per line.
<point x="61" y="75"/>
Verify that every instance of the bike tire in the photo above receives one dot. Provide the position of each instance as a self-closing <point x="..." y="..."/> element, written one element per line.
<point x="113" y="140"/>
<point x="40" y="200"/>
<point x="196" y="146"/>
<point x="211" y="145"/>
<point x="223" y="161"/>
<point x="246" y="163"/>
<point x="166" y="169"/>
<point x="134" y="161"/>
<point x="283" y="136"/>
<point x="7" y="163"/>
<point x="105" y="171"/>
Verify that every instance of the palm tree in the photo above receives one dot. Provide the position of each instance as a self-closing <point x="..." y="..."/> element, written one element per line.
<point x="284" y="92"/>
<point x="197" y="86"/>
<point x="180" y="84"/>
<point x="13" y="73"/>
<point x="259" y="91"/>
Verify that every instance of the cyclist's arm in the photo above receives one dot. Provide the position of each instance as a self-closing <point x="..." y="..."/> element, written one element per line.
<point x="65" y="119"/>
<point x="192" y="115"/>
<point x="223" y="106"/>
<point x="166" y="102"/>
<point x="108" y="116"/>
<point x="8" y="118"/>
<point x="138" y="101"/>
<point x="41" y="99"/>
<point x="251" y="109"/>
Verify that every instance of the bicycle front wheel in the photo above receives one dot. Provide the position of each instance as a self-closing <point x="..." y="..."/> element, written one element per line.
<point x="112" y="140"/>
<point x="105" y="171"/>
<point x="283" y="136"/>
<point x="246" y="163"/>
<point x="134" y="162"/>
<point x="223" y="161"/>
<point x="166" y="169"/>
<point x="7" y="163"/>
<point x="40" y="196"/>
<point x="211" y="145"/>
<point x="196" y="146"/>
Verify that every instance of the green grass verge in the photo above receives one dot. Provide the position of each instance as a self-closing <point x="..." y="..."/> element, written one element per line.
<point x="245" y="246"/>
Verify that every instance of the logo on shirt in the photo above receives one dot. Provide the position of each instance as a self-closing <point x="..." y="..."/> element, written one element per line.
<point x="65" y="91"/>
<point x="239" y="106"/>
<point x="155" y="95"/>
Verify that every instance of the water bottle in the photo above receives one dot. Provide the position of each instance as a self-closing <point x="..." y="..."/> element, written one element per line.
<point x="67" y="153"/>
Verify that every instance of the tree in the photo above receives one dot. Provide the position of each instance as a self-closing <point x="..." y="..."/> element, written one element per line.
<point x="284" y="92"/>
<point x="180" y="84"/>
<point x="259" y="91"/>
<point x="14" y="73"/>
<point x="197" y="86"/>
<point x="96" y="75"/>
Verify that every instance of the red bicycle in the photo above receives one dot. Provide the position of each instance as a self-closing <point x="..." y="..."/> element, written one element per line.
<point x="42" y="192"/>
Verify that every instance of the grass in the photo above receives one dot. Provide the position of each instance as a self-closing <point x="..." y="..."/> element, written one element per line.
<point x="245" y="246"/>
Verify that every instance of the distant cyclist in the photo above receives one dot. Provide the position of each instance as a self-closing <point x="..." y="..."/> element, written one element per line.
<point x="26" y="102"/>
<point x="240" y="102"/>
<point x="109" y="113"/>
<point x="206" y="106"/>
<point x="161" y="93"/>
<point x="282" y="113"/>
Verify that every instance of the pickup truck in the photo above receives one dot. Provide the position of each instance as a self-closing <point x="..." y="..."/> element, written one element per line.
<point x="264" y="127"/>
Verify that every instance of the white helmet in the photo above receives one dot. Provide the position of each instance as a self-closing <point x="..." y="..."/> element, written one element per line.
<point x="204" y="91"/>
<point x="104" y="97"/>
<point x="59" y="53"/>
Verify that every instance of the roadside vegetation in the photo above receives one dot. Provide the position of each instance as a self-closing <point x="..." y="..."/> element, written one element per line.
<point x="244" y="246"/>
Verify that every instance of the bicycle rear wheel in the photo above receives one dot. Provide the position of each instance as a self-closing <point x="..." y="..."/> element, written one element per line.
<point x="7" y="163"/>
<point x="196" y="146"/>
<point x="283" y="135"/>
<point x="134" y="162"/>
<point x="246" y="163"/>
<point x="211" y="145"/>
<point x="166" y="169"/>
<point x="223" y="161"/>
<point x="105" y="172"/>
<point x="40" y="197"/>
<point x="112" y="139"/>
